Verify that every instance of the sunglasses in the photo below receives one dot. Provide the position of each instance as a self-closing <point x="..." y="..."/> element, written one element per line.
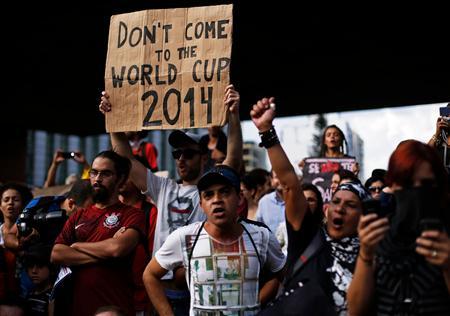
<point x="375" y="189"/>
<point x="187" y="153"/>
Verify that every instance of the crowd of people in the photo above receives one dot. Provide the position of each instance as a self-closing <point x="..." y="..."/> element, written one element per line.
<point x="220" y="240"/>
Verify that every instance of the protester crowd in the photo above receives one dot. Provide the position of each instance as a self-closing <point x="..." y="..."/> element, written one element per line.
<point x="218" y="240"/>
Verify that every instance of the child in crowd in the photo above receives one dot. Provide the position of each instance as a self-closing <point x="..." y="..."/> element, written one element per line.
<point x="40" y="271"/>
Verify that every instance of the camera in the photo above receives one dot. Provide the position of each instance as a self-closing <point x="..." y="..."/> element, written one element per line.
<point x="45" y="215"/>
<point x="445" y="112"/>
<point x="382" y="207"/>
<point x="68" y="155"/>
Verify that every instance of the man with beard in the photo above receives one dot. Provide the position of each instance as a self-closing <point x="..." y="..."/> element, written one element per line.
<point x="178" y="204"/>
<point x="98" y="242"/>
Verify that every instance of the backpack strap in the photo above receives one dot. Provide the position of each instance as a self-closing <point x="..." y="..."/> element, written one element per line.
<point x="314" y="246"/>
<point x="196" y="239"/>
<point x="254" y="246"/>
<point x="192" y="252"/>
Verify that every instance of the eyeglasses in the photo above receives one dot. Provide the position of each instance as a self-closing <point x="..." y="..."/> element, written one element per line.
<point x="375" y="189"/>
<point x="103" y="174"/>
<point x="187" y="153"/>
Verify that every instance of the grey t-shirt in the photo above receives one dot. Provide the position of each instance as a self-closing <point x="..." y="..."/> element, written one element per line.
<point x="178" y="205"/>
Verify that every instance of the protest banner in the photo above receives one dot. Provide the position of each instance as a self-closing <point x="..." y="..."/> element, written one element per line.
<point x="319" y="171"/>
<point x="168" y="68"/>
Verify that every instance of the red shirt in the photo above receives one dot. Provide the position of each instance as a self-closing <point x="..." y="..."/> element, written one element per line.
<point x="109" y="282"/>
<point x="142" y="255"/>
<point x="148" y="151"/>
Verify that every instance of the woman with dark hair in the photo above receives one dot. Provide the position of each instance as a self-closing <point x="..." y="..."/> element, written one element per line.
<point x="321" y="257"/>
<point x="14" y="197"/>
<point x="403" y="267"/>
<point x="333" y="143"/>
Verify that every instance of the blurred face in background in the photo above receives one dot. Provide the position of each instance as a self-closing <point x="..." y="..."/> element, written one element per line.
<point x="11" y="204"/>
<point x="333" y="138"/>
<point x="38" y="273"/>
<point x="312" y="199"/>
<point x="335" y="179"/>
<point x="375" y="189"/>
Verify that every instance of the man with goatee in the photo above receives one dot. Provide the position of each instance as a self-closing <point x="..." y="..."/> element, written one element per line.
<point x="98" y="242"/>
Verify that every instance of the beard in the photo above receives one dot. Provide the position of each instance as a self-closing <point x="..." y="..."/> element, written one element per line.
<point x="191" y="173"/>
<point x="99" y="193"/>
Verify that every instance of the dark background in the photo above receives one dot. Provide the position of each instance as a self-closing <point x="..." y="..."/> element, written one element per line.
<point x="313" y="59"/>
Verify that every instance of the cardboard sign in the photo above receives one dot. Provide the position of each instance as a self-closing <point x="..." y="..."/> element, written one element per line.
<point x="319" y="172"/>
<point x="168" y="69"/>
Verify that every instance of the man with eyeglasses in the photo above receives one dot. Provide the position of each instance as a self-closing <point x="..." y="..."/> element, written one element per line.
<point x="178" y="204"/>
<point x="98" y="242"/>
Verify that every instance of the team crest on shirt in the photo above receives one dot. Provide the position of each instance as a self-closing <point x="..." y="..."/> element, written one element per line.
<point x="112" y="220"/>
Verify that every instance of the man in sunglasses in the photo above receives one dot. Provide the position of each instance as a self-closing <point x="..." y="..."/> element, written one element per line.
<point x="178" y="204"/>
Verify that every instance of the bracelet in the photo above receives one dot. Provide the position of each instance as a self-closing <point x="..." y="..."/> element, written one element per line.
<point x="269" y="138"/>
<point x="368" y="262"/>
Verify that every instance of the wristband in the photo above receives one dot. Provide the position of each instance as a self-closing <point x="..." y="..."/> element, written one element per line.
<point x="269" y="138"/>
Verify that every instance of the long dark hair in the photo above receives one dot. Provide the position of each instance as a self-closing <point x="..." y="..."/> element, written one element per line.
<point x="343" y="145"/>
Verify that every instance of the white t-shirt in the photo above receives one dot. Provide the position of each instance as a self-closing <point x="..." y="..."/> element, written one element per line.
<point x="224" y="277"/>
<point x="178" y="205"/>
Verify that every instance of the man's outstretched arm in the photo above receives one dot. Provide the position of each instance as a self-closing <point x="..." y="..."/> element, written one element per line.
<point x="234" y="139"/>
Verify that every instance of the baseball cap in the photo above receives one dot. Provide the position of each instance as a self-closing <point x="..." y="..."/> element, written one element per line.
<point x="220" y="174"/>
<point x="179" y="139"/>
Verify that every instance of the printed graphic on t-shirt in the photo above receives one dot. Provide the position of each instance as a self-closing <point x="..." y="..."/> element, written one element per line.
<point x="112" y="220"/>
<point x="224" y="276"/>
<point x="179" y="211"/>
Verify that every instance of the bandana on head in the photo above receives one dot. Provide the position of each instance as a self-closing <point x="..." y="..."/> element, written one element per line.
<point x="356" y="188"/>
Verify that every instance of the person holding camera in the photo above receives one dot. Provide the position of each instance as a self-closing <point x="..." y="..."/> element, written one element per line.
<point x="403" y="266"/>
<point x="441" y="138"/>
<point x="59" y="157"/>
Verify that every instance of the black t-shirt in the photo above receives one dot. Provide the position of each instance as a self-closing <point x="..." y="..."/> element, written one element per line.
<point x="300" y="239"/>
<point x="37" y="304"/>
